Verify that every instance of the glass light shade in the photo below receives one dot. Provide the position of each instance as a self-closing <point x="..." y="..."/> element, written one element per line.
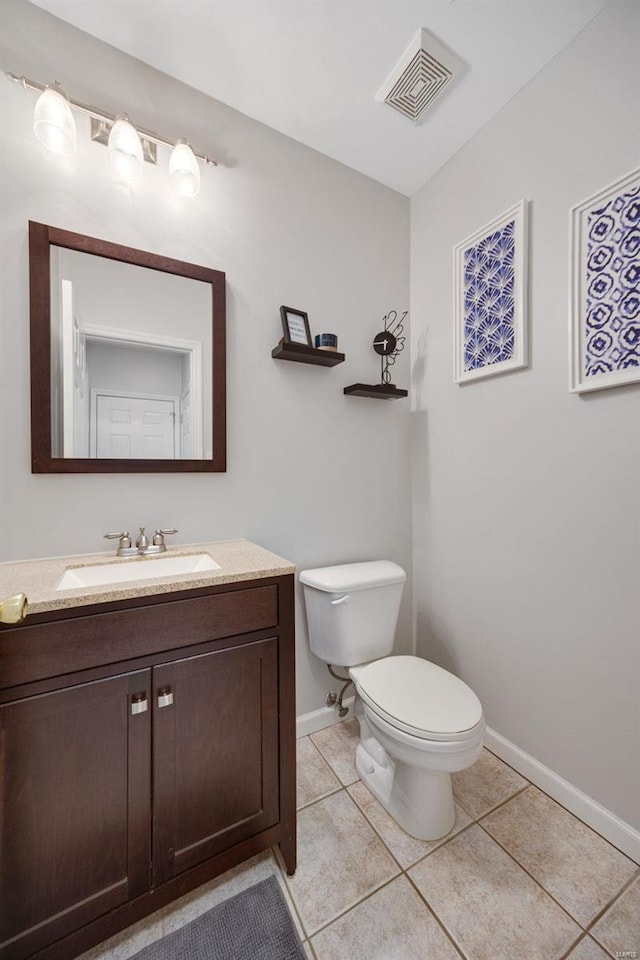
<point x="184" y="172"/>
<point x="125" y="149"/>
<point x="53" y="122"/>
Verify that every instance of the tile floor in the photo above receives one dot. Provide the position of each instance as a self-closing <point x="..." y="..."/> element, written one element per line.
<point x="517" y="877"/>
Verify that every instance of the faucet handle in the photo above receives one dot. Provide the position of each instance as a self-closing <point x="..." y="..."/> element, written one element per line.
<point x="159" y="535"/>
<point x="124" y="545"/>
<point x="124" y="538"/>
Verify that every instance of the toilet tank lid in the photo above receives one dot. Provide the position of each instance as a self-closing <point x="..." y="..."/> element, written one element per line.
<point x="354" y="576"/>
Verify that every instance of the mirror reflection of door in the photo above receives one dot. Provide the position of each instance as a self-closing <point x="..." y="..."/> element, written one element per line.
<point x="137" y="400"/>
<point x="96" y="360"/>
<point x="74" y="386"/>
<point x="124" y="334"/>
<point x="141" y="428"/>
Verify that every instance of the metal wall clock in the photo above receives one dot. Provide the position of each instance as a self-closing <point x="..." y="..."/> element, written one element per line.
<point x="387" y="344"/>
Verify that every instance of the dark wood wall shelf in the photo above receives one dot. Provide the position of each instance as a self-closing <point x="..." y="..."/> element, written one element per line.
<point x="376" y="391"/>
<point x="303" y="354"/>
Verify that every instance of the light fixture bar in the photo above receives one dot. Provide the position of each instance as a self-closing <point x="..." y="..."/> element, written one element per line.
<point x="105" y="117"/>
<point x="100" y="130"/>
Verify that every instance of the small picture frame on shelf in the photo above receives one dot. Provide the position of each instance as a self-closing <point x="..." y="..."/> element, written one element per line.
<point x="295" y="325"/>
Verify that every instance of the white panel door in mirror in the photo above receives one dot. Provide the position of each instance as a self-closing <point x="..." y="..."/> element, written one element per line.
<point x="125" y="331"/>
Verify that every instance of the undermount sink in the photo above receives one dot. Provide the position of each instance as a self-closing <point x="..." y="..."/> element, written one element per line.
<point x="138" y="568"/>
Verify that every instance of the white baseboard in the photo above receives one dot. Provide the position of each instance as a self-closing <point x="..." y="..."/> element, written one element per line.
<point x="319" y="719"/>
<point x="607" y="824"/>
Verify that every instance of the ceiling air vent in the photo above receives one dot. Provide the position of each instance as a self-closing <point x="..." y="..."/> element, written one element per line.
<point x="425" y="69"/>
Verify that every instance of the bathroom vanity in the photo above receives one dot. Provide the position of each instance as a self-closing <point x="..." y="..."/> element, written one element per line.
<point x="147" y="735"/>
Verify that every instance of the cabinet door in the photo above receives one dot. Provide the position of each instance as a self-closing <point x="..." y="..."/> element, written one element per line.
<point x="215" y="753"/>
<point x="74" y="808"/>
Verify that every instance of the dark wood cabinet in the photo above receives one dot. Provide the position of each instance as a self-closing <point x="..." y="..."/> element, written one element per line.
<point x="126" y="783"/>
<point x="75" y="808"/>
<point x="215" y="753"/>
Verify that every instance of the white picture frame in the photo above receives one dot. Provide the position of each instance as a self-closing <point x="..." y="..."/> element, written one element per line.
<point x="491" y="297"/>
<point x="604" y="297"/>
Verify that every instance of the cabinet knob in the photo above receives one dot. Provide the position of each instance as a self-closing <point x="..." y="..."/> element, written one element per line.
<point x="165" y="697"/>
<point x="138" y="703"/>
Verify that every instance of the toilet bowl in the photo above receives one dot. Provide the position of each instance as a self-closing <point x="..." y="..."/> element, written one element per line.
<point x="418" y="722"/>
<point x="418" y="725"/>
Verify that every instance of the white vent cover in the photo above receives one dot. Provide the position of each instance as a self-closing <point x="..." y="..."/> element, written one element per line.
<point x="419" y="77"/>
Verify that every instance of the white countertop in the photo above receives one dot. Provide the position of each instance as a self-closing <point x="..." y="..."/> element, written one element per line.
<point x="238" y="560"/>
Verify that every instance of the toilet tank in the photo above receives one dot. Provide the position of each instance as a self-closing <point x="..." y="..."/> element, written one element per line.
<point x="352" y="610"/>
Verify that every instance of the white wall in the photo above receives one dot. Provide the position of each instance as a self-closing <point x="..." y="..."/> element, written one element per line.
<point x="133" y="369"/>
<point x="526" y="498"/>
<point x="308" y="468"/>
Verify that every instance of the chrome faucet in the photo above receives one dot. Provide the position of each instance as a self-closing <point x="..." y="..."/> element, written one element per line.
<point x="157" y="545"/>
<point x="142" y="546"/>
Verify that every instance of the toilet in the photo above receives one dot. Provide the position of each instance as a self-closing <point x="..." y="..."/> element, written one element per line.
<point x="418" y="722"/>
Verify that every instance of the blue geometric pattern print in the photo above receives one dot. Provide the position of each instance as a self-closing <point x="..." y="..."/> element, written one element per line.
<point x="489" y="307"/>
<point x="612" y="318"/>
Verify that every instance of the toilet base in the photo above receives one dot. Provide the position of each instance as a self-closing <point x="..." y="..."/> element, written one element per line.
<point x="419" y="799"/>
<point x="421" y="802"/>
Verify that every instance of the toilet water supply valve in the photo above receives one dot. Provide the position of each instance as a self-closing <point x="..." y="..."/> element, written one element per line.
<point x="335" y="699"/>
<point x="332" y="698"/>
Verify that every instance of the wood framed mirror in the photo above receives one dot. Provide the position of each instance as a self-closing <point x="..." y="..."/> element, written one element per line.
<point x="128" y="362"/>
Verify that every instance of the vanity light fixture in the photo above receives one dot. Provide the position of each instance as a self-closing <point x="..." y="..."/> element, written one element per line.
<point x="125" y="149"/>
<point x="184" y="172"/>
<point x="53" y="122"/>
<point x="129" y="146"/>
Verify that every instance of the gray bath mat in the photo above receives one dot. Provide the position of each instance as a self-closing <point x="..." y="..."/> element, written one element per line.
<point x="253" y="925"/>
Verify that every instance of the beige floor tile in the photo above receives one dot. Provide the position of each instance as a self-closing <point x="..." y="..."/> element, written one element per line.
<point x="487" y="783"/>
<point x="588" y="949"/>
<point x="315" y="777"/>
<point x="580" y="869"/>
<point x="340" y="861"/>
<point x="337" y="744"/>
<point x="489" y="905"/>
<point x="124" y="944"/>
<point x="393" y="924"/>
<point x="619" y="929"/>
<point x="406" y="849"/>
<point x="307" y="950"/>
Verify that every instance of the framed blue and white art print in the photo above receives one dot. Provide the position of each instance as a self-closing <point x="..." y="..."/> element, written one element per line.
<point x="605" y="287"/>
<point x="490" y="298"/>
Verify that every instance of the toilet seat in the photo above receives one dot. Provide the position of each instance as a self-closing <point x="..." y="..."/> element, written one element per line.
<point x="419" y="698"/>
